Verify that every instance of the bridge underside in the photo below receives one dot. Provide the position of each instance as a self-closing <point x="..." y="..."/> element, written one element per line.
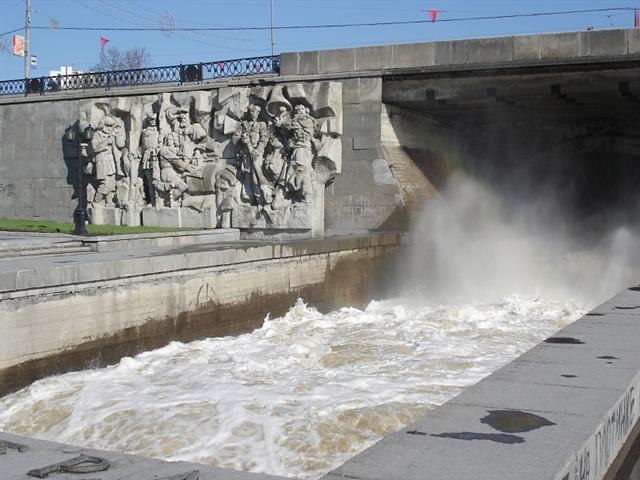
<point x="573" y="135"/>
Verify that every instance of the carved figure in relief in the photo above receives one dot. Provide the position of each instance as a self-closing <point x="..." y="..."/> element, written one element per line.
<point x="253" y="162"/>
<point x="130" y="189"/>
<point x="170" y="184"/>
<point x="251" y="139"/>
<point x="226" y="198"/>
<point x="190" y="136"/>
<point x="275" y="162"/>
<point x="150" y="145"/>
<point x="302" y="130"/>
<point x="106" y="145"/>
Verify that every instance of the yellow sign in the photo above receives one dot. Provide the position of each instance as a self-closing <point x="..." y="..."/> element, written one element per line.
<point x="18" y="45"/>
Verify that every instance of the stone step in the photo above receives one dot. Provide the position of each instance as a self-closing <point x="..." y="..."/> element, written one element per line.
<point x="12" y="251"/>
<point x="111" y="243"/>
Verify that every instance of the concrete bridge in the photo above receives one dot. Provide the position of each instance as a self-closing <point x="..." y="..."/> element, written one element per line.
<point x="411" y="113"/>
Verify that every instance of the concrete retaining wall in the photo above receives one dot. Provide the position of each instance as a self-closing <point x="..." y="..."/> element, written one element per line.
<point x="94" y="308"/>
<point x="365" y="195"/>
<point x="38" y="168"/>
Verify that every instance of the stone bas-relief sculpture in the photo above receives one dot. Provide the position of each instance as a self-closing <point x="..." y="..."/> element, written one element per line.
<point x="255" y="158"/>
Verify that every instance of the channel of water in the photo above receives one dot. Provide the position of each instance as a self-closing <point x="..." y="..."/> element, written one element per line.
<point x="298" y="396"/>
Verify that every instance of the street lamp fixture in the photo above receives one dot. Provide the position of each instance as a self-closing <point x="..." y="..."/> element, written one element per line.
<point x="88" y="133"/>
<point x="70" y="134"/>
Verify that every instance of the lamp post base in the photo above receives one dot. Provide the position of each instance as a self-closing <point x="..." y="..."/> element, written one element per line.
<point x="80" y="220"/>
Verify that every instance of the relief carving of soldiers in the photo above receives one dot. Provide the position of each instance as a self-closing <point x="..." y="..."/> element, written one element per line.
<point x="226" y="198"/>
<point x="190" y="135"/>
<point x="169" y="182"/>
<point x="107" y="143"/>
<point x="251" y="139"/>
<point x="275" y="162"/>
<point x="150" y="145"/>
<point x="254" y="173"/>
<point x="130" y="189"/>
<point x="301" y="130"/>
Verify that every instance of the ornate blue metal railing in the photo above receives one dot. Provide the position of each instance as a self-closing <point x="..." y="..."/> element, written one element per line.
<point x="178" y="74"/>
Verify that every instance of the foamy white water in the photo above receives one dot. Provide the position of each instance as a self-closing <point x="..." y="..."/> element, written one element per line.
<point x="298" y="396"/>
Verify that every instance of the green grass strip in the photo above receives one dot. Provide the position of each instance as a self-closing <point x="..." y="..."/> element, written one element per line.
<point x="48" y="226"/>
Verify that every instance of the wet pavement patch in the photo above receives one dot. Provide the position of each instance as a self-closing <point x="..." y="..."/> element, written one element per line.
<point x="564" y="340"/>
<point x="493" y="437"/>
<point x="506" y="421"/>
<point x="514" y="421"/>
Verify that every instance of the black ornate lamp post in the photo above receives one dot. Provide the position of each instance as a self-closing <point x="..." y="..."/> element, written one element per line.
<point x="80" y="213"/>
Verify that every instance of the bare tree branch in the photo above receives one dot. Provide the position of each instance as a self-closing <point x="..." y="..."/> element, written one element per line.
<point x="113" y="58"/>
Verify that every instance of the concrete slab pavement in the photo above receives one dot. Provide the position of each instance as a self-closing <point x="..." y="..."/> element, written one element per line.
<point x="14" y="464"/>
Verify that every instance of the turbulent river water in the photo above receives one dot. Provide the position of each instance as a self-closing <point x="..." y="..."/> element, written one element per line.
<point x="298" y="396"/>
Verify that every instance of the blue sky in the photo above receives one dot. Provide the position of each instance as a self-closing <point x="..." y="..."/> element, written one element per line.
<point x="81" y="48"/>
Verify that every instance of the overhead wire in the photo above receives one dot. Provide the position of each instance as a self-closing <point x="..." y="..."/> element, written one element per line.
<point x="138" y="26"/>
<point x="11" y="31"/>
<point x="157" y="13"/>
<point x="342" y="25"/>
<point x="186" y="37"/>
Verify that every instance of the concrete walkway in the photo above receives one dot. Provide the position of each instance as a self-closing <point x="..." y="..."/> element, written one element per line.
<point x="14" y="464"/>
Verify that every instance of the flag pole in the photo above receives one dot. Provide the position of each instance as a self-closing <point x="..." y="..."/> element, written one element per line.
<point x="272" y="41"/>
<point x="27" y="39"/>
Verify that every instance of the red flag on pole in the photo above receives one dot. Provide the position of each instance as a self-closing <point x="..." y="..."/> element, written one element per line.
<point x="433" y="14"/>
<point x="103" y="42"/>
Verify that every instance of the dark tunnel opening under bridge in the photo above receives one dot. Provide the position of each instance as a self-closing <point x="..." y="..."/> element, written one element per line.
<point x="562" y="140"/>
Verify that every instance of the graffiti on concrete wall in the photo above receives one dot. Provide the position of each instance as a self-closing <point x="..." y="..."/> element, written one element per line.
<point x="596" y="457"/>
<point x="7" y="189"/>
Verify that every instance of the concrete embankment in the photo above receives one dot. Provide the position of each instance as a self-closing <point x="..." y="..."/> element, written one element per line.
<point x="561" y="411"/>
<point x="67" y="312"/>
